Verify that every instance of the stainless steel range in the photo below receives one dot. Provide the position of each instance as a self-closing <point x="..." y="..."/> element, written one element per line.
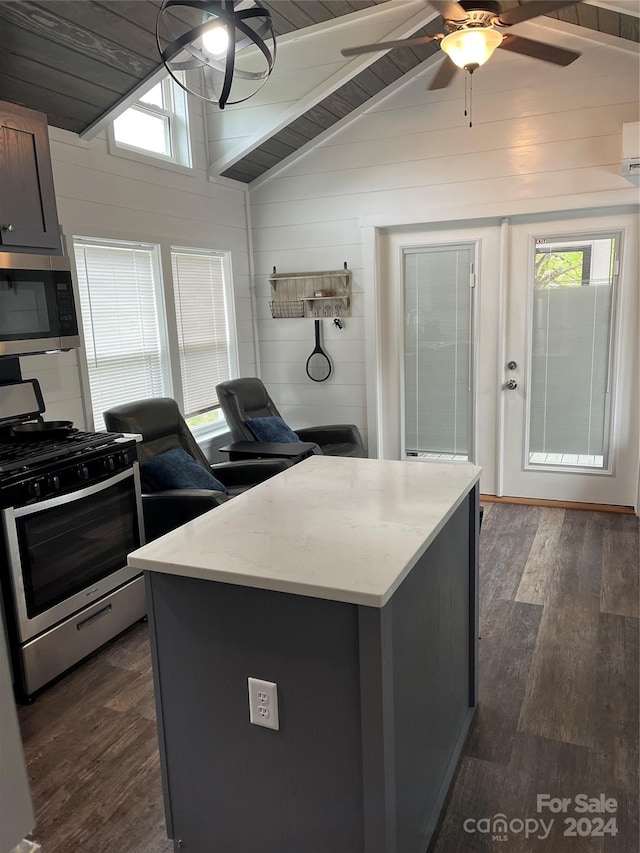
<point x="71" y="513"/>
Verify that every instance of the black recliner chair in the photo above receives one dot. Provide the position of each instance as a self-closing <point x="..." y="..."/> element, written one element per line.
<point x="159" y="421"/>
<point x="246" y="398"/>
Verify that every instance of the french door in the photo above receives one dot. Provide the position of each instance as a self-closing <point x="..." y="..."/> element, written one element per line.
<point x="438" y="329"/>
<point x="570" y="380"/>
<point x="530" y="370"/>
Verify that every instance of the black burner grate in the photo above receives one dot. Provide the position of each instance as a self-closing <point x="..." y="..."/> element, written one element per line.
<point x="21" y="453"/>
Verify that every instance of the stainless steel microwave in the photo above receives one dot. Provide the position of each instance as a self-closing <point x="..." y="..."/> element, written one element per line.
<point x="37" y="308"/>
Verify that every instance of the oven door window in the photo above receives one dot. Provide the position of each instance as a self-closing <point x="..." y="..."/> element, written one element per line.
<point x="66" y="549"/>
<point x="27" y="305"/>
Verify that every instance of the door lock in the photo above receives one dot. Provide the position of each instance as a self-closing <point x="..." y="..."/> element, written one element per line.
<point x="512" y="365"/>
<point x="511" y="385"/>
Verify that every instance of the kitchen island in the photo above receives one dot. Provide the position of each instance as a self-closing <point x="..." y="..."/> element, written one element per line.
<point x="352" y="585"/>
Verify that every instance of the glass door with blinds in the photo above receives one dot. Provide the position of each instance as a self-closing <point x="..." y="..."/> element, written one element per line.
<point x="569" y="346"/>
<point x="569" y="405"/>
<point x="437" y="367"/>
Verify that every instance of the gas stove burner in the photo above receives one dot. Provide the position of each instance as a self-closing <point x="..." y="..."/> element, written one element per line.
<point x="28" y="455"/>
<point x="48" y="443"/>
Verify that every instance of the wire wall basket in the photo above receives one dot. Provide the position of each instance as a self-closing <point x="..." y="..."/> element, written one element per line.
<point x="283" y="309"/>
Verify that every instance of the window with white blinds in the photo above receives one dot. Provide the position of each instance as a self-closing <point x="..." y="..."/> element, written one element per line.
<point x="124" y="342"/>
<point x="199" y="286"/>
<point x="571" y="338"/>
<point x="437" y="351"/>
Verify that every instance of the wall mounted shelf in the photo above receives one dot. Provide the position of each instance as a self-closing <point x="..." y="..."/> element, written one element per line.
<point x="294" y="294"/>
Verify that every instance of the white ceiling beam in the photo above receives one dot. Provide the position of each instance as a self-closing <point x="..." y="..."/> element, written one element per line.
<point x="350" y="69"/>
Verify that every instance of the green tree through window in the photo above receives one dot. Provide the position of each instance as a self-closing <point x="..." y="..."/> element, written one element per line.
<point x="562" y="267"/>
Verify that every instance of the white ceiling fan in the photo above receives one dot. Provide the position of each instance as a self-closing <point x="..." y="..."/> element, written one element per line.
<point x="472" y="30"/>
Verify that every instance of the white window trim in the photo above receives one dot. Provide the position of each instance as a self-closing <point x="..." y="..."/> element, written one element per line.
<point x="208" y="432"/>
<point x="169" y="132"/>
<point x="179" y="131"/>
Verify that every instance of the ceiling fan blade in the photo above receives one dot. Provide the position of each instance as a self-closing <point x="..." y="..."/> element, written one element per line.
<point x="444" y="75"/>
<point x="449" y="9"/>
<point x="539" y="50"/>
<point x="386" y="45"/>
<point x="531" y="10"/>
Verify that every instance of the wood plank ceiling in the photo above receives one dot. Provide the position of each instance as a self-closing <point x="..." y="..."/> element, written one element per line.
<point x="76" y="60"/>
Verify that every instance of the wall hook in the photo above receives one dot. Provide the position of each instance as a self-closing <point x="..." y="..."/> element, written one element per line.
<point x="345" y="265"/>
<point x="338" y="322"/>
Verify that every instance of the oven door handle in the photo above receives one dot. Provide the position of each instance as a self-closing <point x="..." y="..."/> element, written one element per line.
<point x="76" y="495"/>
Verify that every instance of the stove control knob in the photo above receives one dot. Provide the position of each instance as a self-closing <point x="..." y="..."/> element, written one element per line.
<point x="35" y="488"/>
<point x="122" y="459"/>
<point x="54" y="482"/>
<point x="109" y="463"/>
<point x="82" y="472"/>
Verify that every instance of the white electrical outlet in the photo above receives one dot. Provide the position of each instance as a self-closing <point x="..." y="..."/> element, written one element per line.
<point x="263" y="703"/>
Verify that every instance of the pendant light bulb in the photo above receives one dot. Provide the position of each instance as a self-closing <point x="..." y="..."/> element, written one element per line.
<point x="215" y="41"/>
<point x="472" y="47"/>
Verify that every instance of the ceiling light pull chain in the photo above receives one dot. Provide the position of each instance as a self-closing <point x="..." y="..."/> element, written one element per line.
<point x="466" y="93"/>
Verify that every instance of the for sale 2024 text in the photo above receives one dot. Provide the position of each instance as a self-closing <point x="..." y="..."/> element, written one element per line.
<point x="598" y="809"/>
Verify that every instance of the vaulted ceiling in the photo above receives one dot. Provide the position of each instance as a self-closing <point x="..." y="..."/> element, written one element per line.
<point x="77" y="60"/>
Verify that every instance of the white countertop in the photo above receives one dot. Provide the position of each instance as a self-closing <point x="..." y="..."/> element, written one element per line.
<point x="330" y="527"/>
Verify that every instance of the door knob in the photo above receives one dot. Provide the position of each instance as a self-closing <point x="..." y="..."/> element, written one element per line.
<point x="512" y="385"/>
<point x="512" y="365"/>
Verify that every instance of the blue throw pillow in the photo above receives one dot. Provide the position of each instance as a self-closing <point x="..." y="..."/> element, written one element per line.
<point x="176" y="469"/>
<point x="271" y="429"/>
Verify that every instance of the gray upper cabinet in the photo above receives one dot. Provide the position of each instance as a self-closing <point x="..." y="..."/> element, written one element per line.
<point x="28" y="215"/>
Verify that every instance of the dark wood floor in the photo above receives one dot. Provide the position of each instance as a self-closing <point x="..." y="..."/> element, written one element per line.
<point x="558" y="704"/>
<point x="92" y="755"/>
<point x="558" y="709"/>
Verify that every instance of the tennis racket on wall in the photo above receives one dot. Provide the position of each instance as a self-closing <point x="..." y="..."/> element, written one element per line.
<point x="318" y="364"/>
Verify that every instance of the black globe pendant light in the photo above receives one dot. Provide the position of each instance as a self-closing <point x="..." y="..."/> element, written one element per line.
<point x="215" y="50"/>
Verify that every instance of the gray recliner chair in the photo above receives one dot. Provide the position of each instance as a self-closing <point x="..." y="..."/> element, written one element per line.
<point x="246" y="398"/>
<point x="159" y="421"/>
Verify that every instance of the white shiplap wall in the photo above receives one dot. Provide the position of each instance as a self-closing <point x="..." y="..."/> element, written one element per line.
<point x="100" y="195"/>
<point x="544" y="138"/>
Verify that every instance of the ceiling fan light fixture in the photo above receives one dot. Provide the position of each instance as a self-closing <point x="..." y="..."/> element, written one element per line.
<point x="470" y="48"/>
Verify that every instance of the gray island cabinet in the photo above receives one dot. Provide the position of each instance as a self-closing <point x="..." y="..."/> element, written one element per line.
<point x="351" y="584"/>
